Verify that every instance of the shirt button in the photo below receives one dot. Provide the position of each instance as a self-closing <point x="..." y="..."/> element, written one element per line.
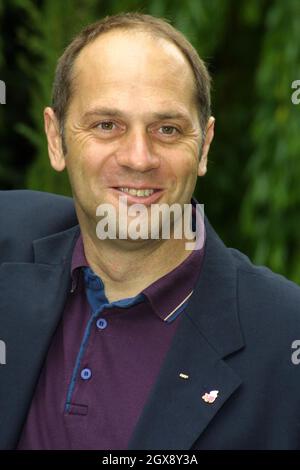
<point x="86" y="374"/>
<point x="101" y="323"/>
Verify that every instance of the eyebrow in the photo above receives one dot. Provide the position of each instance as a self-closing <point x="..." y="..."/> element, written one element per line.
<point x="113" y="112"/>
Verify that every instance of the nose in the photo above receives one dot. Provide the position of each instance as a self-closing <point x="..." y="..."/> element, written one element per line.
<point x="137" y="153"/>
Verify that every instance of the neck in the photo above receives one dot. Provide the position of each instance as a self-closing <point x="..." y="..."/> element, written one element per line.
<point x="126" y="266"/>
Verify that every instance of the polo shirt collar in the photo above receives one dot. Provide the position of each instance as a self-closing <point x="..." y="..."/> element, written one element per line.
<point x="168" y="296"/>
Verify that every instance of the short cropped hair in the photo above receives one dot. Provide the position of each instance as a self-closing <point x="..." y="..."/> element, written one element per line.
<point x="63" y="80"/>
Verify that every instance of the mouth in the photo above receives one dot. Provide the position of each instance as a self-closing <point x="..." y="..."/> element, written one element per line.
<point x="137" y="195"/>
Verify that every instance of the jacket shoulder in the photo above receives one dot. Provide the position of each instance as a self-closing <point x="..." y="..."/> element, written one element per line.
<point x="28" y="215"/>
<point x="267" y="298"/>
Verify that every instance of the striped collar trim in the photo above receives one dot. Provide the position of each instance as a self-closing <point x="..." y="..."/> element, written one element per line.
<point x="177" y="310"/>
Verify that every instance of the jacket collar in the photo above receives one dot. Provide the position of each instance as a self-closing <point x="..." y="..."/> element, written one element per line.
<point x="57" y="248"/>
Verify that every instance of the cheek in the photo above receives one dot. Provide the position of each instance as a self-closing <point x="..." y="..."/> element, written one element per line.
<point x="85" y="156"/>
<point x="186" y="167"/>
<point x="191" y="160"/>
<point x="192" y="148"/>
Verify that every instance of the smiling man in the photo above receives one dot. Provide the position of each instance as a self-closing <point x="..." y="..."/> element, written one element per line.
<point x="132" y="128"/>
<point x="125" y="342"/>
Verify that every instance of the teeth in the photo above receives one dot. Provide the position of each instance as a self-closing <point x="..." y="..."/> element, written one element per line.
<point x="137" y="192"/>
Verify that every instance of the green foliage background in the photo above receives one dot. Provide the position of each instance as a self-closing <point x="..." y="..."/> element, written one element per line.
<point x="252" y="47"/>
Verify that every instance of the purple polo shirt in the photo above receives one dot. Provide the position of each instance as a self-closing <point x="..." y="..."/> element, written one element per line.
<point x="103" y="362"/>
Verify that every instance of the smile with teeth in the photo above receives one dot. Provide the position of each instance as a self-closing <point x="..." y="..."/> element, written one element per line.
<point x="137" y="192"/>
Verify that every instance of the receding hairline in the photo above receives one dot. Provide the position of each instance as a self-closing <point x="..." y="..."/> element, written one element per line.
<point x="63" y="86"/>
<point x="131" y="30"/>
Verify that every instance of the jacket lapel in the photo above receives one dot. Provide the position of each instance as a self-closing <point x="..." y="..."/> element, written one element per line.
<point x="33" y="300"/>
<point x="175" y="414"/>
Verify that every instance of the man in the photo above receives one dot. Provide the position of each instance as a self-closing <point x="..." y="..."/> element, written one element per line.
<point x="137" y="343"/>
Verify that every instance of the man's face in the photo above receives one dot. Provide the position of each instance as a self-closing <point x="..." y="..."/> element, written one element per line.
<point x="132" y="123"/>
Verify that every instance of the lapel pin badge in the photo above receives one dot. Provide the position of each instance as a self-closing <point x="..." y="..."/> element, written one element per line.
<point x="183" y="376"/>
<point x="211" y="396"/>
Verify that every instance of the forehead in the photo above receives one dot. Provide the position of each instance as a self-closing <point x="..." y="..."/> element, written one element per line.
<point x="134" y="63"/>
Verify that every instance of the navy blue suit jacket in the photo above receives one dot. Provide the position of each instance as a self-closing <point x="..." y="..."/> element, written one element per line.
<point x="235" y="337"/>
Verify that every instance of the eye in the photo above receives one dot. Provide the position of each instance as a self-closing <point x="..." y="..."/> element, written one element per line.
<point x="168" y="130"/>
<point x="106" y="126"/>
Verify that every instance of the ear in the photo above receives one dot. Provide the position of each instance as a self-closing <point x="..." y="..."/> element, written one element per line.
<point x="209" y="135"/>
<point x="55" y="152"/>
